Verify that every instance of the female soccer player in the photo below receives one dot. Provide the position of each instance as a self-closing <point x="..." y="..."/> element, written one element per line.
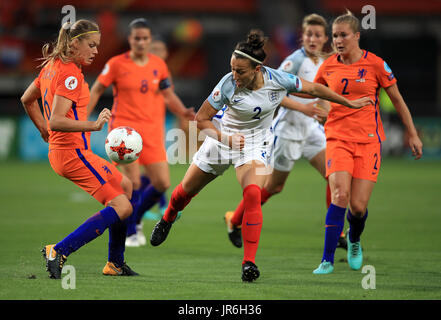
<point x="353" y="150"/>
<point x="296" y="134"/>
<point x="64" y="125"/>
<point x="140" y="85"/>
<point x="237" y="118"/>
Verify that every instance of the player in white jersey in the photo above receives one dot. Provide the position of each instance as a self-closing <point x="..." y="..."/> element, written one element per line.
<point x="240" y="135"/>
<point x="296" y="134"/>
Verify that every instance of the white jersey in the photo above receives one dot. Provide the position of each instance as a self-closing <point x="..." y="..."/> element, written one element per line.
<point x="291" y="124"/>
<point x="251" y="112"/>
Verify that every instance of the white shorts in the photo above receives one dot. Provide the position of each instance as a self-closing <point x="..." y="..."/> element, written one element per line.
<point x="215" y="157"/>
<point x="285" y="152"/>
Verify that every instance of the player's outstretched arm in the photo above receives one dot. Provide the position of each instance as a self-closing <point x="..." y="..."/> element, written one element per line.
<point x="176" y="106"/>
<point x="415" y="143"/>
<point x="59" y="121"/>
<point x="321" y="91"/>
<point x="30" y="104"/>
<point x="95" y="93"/>
<point x="310" y="109"/>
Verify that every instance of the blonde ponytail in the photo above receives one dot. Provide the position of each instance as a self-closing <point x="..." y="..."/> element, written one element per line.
<point x="61" y="49"/>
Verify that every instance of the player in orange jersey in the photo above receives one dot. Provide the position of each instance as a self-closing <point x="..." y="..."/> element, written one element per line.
<point x="354" y="137"/>
<point x="63" y="124"/>
<point x="141" y="82"/>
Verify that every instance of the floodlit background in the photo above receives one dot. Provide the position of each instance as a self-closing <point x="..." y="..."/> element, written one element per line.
<point x="201" y="35"/>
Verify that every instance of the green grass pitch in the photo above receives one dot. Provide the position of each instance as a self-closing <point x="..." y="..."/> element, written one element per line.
<point x="401" y="241"/>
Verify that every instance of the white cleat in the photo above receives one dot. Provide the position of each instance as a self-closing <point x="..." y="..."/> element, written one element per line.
<point x="142" y="241"/>
<point x="132" y="241"/>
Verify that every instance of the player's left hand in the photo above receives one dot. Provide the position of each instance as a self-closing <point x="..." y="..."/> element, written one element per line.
<point x="416" y="146"/>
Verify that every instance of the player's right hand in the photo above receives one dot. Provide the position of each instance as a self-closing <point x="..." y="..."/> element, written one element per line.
<point x="359" y="103"/>
<point x="237" y="141"/>
<point x="103" y="117"/>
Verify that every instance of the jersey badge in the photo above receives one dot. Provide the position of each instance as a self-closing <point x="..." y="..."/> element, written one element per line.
<point x="216" y="95"/>
<point x="71" y="83"/>
<point x="274" y="96"/>
<point x="287" y="66"/>
<point x="361" y="74"/>
<point x="105" y="69"/>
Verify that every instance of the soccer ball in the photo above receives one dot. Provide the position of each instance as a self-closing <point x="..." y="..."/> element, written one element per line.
<point x="123" y="145"/>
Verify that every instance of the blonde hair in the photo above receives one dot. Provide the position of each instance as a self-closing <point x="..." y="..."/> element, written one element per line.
<point x="350" y="19"/>
<point x="61" y="49"/>
<point x="314" y="20"/>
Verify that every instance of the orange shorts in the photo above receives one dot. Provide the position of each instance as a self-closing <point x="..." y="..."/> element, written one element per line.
<point x="361" y="160"/>
<point x="153" y="145"/>
<point x="96" y="176"/>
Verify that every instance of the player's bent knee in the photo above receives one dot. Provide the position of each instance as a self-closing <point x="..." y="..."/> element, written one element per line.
<point x="161" y="186"/>
<point x="358" y="208"/>
<point x="127" y="186"/>
<point x="340" y="198"/>
<point x="122" y="206"/>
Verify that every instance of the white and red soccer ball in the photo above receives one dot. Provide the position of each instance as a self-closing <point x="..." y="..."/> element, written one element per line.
<point x="123" y="145"/>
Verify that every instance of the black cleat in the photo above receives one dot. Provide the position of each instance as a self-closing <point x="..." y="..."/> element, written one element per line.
<point x="249" y="272"/>
<point x="54" y="261"/>
<point x="160" y="232"/>
<point x="234" y="232"/>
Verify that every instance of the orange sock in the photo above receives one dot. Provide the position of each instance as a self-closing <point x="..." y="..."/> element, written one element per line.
<point x="178" y="201"/>
<point x="252" y="221"/>
<point x="238" y="213"/>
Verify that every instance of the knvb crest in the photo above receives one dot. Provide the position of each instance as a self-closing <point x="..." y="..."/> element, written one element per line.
<point x="273" y="96"/>
<point x="361" y="74"/>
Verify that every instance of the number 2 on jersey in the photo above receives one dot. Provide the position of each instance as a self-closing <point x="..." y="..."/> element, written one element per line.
<point x="259" y="110"/>
<point x="345" y="81"/>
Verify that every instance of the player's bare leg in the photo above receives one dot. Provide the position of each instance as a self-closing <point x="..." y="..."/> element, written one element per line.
<point x="319" y="163"/>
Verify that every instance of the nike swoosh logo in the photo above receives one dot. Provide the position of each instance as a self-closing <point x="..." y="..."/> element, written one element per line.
<point x="237" y="100"/>
<point x="253" y="224"/>
<point x="116" y="270"/>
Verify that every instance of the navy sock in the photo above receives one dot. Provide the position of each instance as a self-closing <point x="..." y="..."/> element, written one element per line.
<point x="89" y="230"/>
<point x="356" y="226"/>
<point x="131" y="221"/>
<point x="117" y="242"/>
<point x="145" y="181"/>
<point x="335" y="219"/>
<point x="148" y="198"/>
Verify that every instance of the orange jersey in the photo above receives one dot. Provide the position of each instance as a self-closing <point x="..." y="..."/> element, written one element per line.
<point x="65" y="79"/>
<point x="362" y="78"/>
<point x="137" y="94"/>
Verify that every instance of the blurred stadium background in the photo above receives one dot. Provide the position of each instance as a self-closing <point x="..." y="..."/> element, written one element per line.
<point x="201" y="34"/>
<point x="402" y="239"/>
